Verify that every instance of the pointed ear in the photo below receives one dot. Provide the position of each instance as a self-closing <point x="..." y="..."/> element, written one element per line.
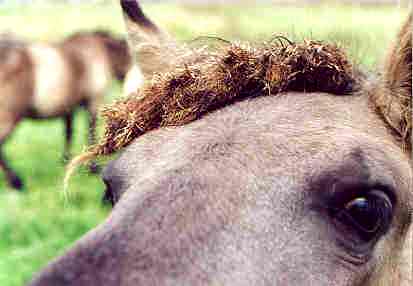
<point x="152" y="48"/>
<point x="394" y="101"/>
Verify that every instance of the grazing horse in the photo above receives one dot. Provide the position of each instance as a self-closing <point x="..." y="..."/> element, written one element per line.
<point x="254" y="165"/>
<point x="42" y="80"/>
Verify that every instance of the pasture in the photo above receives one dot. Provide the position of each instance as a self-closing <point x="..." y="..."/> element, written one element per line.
<point x="41" y="222"/>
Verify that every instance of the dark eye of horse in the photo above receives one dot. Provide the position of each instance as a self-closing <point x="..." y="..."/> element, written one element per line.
<point x="369" y="215"/>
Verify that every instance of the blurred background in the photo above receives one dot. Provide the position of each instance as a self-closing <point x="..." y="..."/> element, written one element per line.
<point x="37" y="224"/>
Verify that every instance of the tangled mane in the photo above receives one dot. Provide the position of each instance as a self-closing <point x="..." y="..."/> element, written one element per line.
<point x="208" y="80"/>
<point x="218" y="79"/>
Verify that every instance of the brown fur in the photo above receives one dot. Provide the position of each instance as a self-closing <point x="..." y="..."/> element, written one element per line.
<point x="16" y="88"/>
<point x="239" y="71"/>
<point x="16" y="76"/>
<point x="393" y="97"/>
<point x="116" y="50"/>
<point x="44" y="80"/>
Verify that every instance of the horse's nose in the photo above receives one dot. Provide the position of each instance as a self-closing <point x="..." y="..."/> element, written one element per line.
<point x="49" y="277"/>
<point x="73" y="268"/>
<point x="94" y="260"/>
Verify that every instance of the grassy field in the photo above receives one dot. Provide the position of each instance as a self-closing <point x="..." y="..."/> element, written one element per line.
<point x="40" y="223"/>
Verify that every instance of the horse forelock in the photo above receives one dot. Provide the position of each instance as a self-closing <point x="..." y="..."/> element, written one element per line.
<point x="205" y="80"/>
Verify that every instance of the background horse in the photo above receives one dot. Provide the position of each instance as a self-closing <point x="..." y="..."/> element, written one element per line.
<point x="43" y="80"/>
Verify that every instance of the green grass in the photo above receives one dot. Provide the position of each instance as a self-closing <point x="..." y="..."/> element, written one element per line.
<point x="37" y="225"/>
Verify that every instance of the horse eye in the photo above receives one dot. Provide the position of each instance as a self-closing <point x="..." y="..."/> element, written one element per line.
<point x="369" y="215"/>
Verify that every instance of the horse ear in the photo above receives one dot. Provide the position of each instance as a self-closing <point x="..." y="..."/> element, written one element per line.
<point x="394" y="102"/>
<point x="152" y="48"/>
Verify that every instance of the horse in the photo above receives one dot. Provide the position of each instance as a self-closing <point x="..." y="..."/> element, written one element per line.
<point x="40" y="80"/>
<point x="276" y="164"/>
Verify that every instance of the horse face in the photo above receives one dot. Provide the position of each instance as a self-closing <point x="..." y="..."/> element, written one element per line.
<point x="284" y="190"/>
<point x="300" y="188"/>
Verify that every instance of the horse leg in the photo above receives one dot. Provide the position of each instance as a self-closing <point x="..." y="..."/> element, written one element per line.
<point x="11" y="177"/>
<point x="93" y="167"/>
<point x="6" y="127"/>
<point x="68" y="119"/>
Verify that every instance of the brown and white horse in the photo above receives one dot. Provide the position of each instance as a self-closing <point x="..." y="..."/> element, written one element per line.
<point x="43" y="80"/>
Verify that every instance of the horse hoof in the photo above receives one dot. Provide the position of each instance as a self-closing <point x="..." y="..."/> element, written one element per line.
<point x="16" y="183"/>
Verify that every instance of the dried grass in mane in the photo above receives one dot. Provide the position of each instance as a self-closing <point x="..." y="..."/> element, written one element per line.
<point x="206" y="81"/>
